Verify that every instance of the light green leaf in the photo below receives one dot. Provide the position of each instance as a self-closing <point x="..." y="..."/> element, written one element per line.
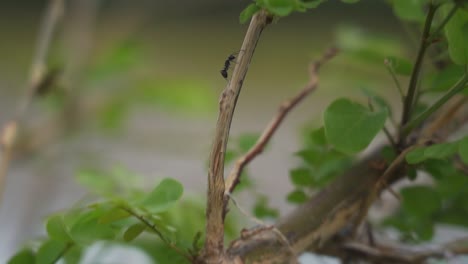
<point x="25" y="256"/>
<point x="350" y="127"/>
<point x="280" y="7"/>
<point x="56" y="228"/>
<point x="436" y="151"/>
<point x="262" y="210"/>
<point x="248" y="12"/>
<point x="463" y="149"/>
<point x="350" y="1"/>
<point x="440" y="151"/>
<point x="96" y="181"/>
<point x="163" y="196"/>
<point x="87" y="229"/>
<point x="420" y="200"/>
<point x="133" y="232"/>
<point x="456" y="31"/>
<point x="50" y="252"/>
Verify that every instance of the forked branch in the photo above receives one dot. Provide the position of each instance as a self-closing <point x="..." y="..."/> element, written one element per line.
<point x="234" y="176"/>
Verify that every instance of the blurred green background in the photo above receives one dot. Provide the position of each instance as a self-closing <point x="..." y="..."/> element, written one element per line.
<point x="144" y="78"/>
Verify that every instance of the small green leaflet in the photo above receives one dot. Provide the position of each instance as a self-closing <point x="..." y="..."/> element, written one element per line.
<point x="456" y="31"/>
<point x="163" y="196"/>
<point x="350" y="127"/>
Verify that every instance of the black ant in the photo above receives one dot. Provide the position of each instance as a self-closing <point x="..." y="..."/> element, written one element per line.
<point x="227" y="64"/>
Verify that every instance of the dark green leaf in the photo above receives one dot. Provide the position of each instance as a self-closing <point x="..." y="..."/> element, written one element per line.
<point x="163" y="196"/>
<point x="350" y="127"/>
<point x="247" y="141"/>
<point x="73" y="255"/>
<point x="311" y="3"/>
<point x="133" y="232"/>
<point x="262" y="210"/>
<point x="248" y="12"/>
<point x="297" y="197"/>
<point x="412" y="10"/>
<point x="420" y="200"/>
<point x="388" y="153"/>
<point x="412" y="173"/>
<point x="463" y="149"/>
<point x="25" y="256"/>
<point x="318" y="137"/>
<point x="400" y="65"/>
<point x="301" y="177"/>
<point x="56" y="228"/>
<point x="456" y="31"/>
<point x="50" y="252"/>
<point x="415" y="156"/>
<point x="445" y="79"/>
<point x="280" y="7"/>
<point x="309" y="156"/>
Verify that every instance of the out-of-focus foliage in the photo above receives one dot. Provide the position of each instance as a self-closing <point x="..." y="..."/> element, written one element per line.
<point x="320" y="163"/>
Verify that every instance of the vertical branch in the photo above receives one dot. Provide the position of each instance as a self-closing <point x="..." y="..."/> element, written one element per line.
<point x="424" y="44"/>
<point x="215" y="201"/>
<point x="52" y="16"/>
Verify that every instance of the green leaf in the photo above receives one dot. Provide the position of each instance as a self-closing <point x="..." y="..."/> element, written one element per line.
<point x="440" y="151"/>
<point x="56" y="228"/>
<point x="456" y="31"/>
<point x="446" y="78"/>
<point x="133" y="232"/>
<point x="311" y="3"/>
<point x="412" y="10"/>
<point x="113" y="215"/>
<point x="420" y="200"/>
<point x="436" y="151"/>
<point x="350" y="127"/>
<point x="163" y="196"/>
<point x="317" y="137"/>
<point x="113" y="115"/>
<point x="262" y="210"/>
<point x="86" y="229"/>
<point x="25" y="256"/>
<point x="463" y="149"/>
<point x="50" y="252"/>
<point x="96" y="181"/>
<point x="248" y="12"/>
<point x="301" y="177"/>
<point x="280" y="7"/>
<point x="247" y="141"/>
<point x="350" y="1"/>
<point x="400" y="66"/>
<point x="412" y="173"/>
<point x="379" y="100"/>
<point x="297" y="197"/>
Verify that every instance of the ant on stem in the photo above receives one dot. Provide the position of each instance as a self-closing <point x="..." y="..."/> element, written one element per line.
<point x="227" y="64"/>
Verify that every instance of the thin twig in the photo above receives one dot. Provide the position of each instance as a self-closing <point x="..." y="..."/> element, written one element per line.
<point x="153" y="228"/>
<point x="395" y="79"/>
<point x="215" y="211"/>
<point x="263" y="225"/>
<point x="52" y="17"/>
<point x="424" y="44"/>
<point x="284" y="109"/>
